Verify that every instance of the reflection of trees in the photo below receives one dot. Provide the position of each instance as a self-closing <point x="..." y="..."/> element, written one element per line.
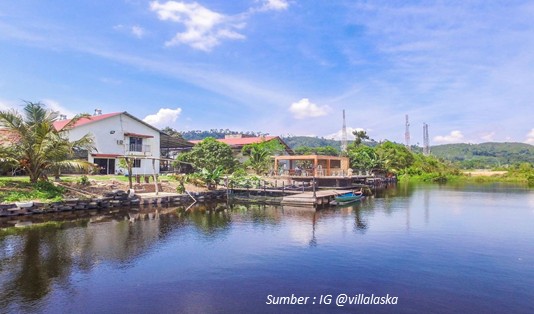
<point x="41" y="261"/>
<point x="211" y="222"/>
<point x="360" y="223"/>
<point x="30" y="263"/>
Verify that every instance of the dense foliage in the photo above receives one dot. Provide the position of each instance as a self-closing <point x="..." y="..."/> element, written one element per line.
<point x="215" y="133"/>
<point x="308" y="141"/>
<point x="485" y="155"/>
<point x="323" y="150"/>
<point x="210" y="155"/>
<point x="37" y="147"/>
<point x="260" y="155"/>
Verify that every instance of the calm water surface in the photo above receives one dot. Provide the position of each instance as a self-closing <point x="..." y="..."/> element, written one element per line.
<point x="438" y="249"/>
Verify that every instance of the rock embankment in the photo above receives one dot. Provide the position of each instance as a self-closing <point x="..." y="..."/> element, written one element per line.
<point x="115" y="198"/>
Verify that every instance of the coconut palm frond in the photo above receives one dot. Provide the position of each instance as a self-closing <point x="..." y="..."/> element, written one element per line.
<point x="74" y="120"/>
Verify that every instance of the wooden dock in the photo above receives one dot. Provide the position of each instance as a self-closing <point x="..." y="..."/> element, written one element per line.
<point x="319" y="198"/>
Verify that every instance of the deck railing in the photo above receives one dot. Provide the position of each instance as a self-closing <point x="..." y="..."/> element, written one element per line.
<point x="137" y="148"/>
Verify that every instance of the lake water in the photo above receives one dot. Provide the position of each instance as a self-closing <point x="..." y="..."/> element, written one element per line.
<point x="436" y="249"/>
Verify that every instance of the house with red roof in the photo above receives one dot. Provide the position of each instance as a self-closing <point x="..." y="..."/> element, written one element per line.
<point x="118" y="134"/>
<point x="238" y="141"/>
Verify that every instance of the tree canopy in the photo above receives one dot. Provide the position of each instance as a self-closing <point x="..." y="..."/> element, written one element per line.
<point x="323" y="150"/>
<point x="260" y="155"/>
<point x="38" y="147"/>
<point x="210" y="154"/>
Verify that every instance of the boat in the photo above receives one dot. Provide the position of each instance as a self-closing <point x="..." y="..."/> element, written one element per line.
<point x="348" y="197"/>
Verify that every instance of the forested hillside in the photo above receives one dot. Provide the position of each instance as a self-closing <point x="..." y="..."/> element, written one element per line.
<point x="309" y="141"/>
<point x="468" y="156"/>
<point x="215" y="133"/>
<point x="485" y="155"/>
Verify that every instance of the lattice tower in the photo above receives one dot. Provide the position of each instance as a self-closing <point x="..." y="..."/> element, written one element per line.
<point x="344" y="134"/>
<point x="426" y="141"/>
<point x="407" y="134"/>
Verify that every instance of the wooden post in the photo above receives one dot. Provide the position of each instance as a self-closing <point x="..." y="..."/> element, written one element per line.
<point x="314" y="194"/>
<point x="155" y="176"/>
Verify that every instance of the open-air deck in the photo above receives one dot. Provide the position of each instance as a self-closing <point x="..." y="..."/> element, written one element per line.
<point x="325" y="171"/>
<point x="312" y="166"/>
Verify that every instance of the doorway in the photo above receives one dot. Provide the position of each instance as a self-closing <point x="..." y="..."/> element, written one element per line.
<point x="105" y="165"/>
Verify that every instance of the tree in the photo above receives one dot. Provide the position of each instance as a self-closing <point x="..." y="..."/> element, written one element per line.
<point x="209" y="154"/>
<point x="322" y="150"/>
<point x="38" y="147"/>
<point x="260" y="155"/>
<point x="359" y="137"/>
<point x="172" y="132"/>
<point x="363" y="157"/>
<point x="394" y="157"/>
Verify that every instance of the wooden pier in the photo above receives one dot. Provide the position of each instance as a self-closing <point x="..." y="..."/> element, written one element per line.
<point x="313" y="199"/>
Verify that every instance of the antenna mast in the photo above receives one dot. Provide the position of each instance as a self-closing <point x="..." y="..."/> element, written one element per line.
<point x="407" y="134"/>
<point x="426" y="142"/>
<point x="344" y="134"/>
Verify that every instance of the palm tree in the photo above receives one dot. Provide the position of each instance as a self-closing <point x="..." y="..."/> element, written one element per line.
<point x="38" y="147"/>
<point x="260" y="155"/>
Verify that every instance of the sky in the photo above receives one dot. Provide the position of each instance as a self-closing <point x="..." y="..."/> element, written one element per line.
<point x="283" y="67"/>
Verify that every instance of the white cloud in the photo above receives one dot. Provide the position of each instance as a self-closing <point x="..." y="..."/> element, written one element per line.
<point x="453" y="137"/>
<point x="275" y="5"/>
<point x="138" y="31"/>
<point x="530" y="137"/>
<point x="488" y="137"/>
<point x="135" y="30"/>
<point x="4" y="105"/>
<point x="49" y="103"/>
<point x="204" y="29"/>
<point x="164" y="117"/>
<point x="305" y="109"/>
<point x="339" y="134"/>
<point x="55" y="106"/>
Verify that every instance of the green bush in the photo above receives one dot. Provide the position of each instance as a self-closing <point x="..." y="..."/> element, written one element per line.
<point x="41" y="190"/>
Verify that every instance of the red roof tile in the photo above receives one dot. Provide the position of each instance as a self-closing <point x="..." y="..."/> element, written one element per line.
<point x="61" y="124"/>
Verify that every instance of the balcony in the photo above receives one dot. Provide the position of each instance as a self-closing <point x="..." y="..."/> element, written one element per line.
<point x="137" y="149"/>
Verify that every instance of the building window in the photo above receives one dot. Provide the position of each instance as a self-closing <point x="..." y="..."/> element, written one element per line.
<point x="136" y="163"/>
<point x="136" y="144"/>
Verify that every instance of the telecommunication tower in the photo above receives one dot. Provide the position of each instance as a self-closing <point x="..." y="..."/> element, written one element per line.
<point x="426" y="142"/>
<point x="344" y="134"/>
<point x="407" y="134"/>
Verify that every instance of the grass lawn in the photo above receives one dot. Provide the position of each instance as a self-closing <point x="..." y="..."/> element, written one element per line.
<point x="14" y="189"/>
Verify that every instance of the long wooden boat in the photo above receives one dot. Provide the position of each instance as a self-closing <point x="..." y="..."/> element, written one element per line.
<point x="348" y="197"/>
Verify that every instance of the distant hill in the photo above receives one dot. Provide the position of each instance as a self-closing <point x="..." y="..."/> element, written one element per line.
<point x="215" y="133"/>
<point x="469" y="156"/>
<point x="310" y="141"/>
<point x="485" y="155"/>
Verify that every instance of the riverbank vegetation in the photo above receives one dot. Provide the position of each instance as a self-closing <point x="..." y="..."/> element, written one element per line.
<point x="43" y="151"/>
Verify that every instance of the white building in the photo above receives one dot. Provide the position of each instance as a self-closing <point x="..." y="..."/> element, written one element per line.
<point x="119" y="134"/>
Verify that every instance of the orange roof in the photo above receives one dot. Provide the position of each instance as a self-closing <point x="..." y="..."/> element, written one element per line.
<point x="241" y="141"/>
<point x="7" y="137"/>
<point x="61" y="123"/>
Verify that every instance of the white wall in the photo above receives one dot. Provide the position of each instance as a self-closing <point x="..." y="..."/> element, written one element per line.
<point x="109" y="131"/>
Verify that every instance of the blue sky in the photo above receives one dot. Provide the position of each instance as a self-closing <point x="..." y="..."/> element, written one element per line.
<point x="466" y="68"/>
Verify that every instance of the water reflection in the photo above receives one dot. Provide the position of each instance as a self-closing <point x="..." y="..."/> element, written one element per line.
<point x="37" y="263"/>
